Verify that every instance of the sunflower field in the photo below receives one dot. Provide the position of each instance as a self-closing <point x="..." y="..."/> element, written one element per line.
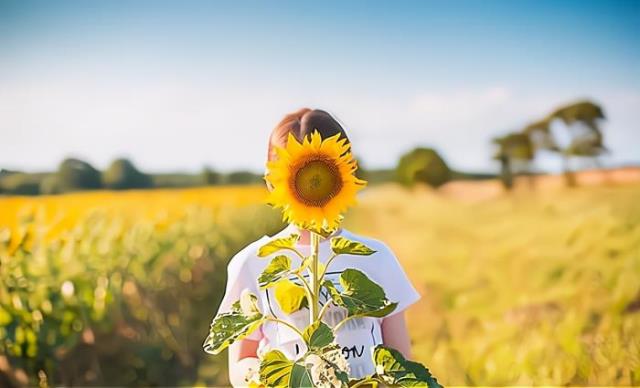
<point x="118" y="288"/>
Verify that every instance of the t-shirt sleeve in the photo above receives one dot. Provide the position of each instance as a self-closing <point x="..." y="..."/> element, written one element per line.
<point x="396" y="284"/>
<point x="239" y="277"/>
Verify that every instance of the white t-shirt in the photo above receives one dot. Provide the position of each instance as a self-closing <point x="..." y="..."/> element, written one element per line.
<point x="356" y="337"/>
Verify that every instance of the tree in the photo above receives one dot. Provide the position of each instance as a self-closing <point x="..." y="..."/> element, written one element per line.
<point x="423" y="165"/>
<point x="581" y="119"/>
<point x="210" y="176"/>
<point x="122" y="174"/>
<point x="243" y="178"/>
<point x="515" y="152"/>
<point x="49" y="185"/>
<point x="74" y="174"/>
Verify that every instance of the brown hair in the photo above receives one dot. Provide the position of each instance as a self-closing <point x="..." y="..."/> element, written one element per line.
<point x="302" y="123"/>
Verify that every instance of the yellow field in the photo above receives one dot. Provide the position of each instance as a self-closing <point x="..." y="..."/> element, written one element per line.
<point x="529" y="289"/>
<point x="533" y="288"/>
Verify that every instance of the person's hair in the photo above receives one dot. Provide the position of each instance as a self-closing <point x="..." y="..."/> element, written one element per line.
<point x="302" y="123"/>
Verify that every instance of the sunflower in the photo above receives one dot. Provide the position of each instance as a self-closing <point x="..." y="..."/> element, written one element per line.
<point x="314" y="181"/>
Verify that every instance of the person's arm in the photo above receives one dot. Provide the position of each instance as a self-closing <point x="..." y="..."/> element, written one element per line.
<point x="242" y="357"/>
<point x="395" y="334"/>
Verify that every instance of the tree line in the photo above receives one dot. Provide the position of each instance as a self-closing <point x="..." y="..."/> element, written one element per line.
<point x="77" y="175"/>
<point x="515" y="151"/>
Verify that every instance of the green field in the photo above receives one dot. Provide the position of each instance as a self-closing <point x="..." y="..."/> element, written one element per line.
<point x="119" y="288"/>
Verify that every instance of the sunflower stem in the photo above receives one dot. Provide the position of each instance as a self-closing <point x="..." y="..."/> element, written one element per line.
<point x="315" y="279"/>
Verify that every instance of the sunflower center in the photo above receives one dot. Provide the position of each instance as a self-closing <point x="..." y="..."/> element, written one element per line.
<point x="316" y="181"/>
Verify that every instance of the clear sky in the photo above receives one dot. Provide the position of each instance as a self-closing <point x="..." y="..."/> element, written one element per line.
<point x="180" y="85"/>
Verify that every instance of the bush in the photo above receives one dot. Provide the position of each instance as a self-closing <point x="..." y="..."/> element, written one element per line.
<point x="122" y="174"/>
<point x="21" y="183"/>
<point x="119" y="300"/>
<point x="74" y="174"/>
<point x="423" y="165"/>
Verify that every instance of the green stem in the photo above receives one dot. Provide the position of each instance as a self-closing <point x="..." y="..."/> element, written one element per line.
<point x="274" y="319"/>
<point x="342" y="322"/>
<point x="307" y="288"/>
<point x="324" y="309"/>
<point x="315" y="280"/>
<point x="300" y="255"/>
<point x="326" y="267"/>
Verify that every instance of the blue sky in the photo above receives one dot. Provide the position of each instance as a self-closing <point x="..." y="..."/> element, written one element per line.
<point x="180" y="85"/>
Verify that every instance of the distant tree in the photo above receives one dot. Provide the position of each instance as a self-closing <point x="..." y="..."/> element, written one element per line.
<point x="49" y="185"/>
<point x="5" y="172"/>
<point x="19" y="183"/>
<point x="515" y="152"/>
<point x="175" y="180"/>
<point x="122" y="174"/>
<point x="243" y="178"/>
<point x="75" y="174"/>
<point x="423" y="165"/>
<point x="210" y="176"/>
<point x="582" y="120"/>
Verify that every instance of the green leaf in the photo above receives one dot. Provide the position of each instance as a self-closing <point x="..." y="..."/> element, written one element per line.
<point x="275" y="369"/>
<point x="300" y="377"/>
<point x="290" y="296"/>
<point x="276" y="270"/>
<point x="341" y="245"/>
<point x="393" y="368"/>
<point x="333" y="355"/>
<point x="360" y="295"/>
<point x="303" y="265"/>
<point x="318" y="335"/>
<point x="279" y="244"/>
<point x="230" y="327"/>
<point x="365" y="382"/>
<point x="248" y="303"/>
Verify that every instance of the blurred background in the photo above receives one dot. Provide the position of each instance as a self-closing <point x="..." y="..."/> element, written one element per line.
<point x="500" y="140"/>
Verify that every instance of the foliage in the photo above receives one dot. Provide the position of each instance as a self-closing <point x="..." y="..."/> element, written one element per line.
<point x="344" y="246"/>
<point x="360" y="296"/>
<point x="210" y="176"/>
<point x="423" y="165"/>
<point x="49" y="185"/>
<point x="22" y="183"/>
<point x="122" y="174"/>
<point x="109" y="289"/>
<point x="242" y="178"/>
<point x="545" y="287"/>
<point x="514" y="151"/>
<point x="581" y="119"/>
<point x="277" y="269"/>
<point x="323" y="364"/>
<point x="75" y="174"/>
<point x="393" y="369"/>
<point x="230" y="327"/>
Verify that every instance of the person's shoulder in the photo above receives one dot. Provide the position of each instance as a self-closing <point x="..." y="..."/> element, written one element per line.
<point x="246" y="255"/>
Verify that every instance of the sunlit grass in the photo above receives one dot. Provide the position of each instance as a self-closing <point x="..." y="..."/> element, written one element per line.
<point x="536" y="288"/>
<point x="532" y="288"/>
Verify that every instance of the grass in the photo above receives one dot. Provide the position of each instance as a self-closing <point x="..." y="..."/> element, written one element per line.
<point x="532" y="288"/>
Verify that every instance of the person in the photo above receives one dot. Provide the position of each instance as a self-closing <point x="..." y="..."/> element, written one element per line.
<point x="358" y="336"/>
